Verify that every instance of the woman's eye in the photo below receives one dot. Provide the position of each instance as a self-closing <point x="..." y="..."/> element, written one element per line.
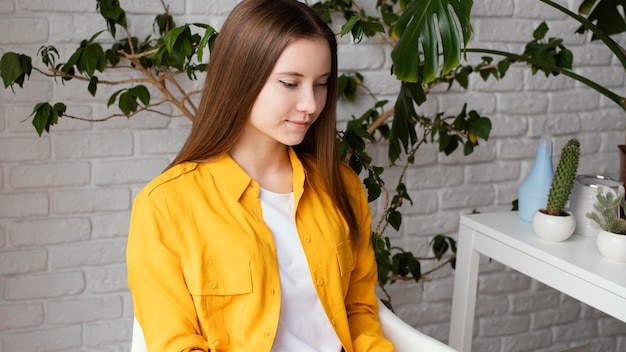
<point x="287" y="84"/>
<point x="322" y="84"/>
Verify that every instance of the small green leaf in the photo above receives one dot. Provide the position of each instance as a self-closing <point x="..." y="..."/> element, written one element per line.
<point x="170" y="38"/>
<point x="93" y="37"/>
<point x="357" y="32"/>
<point x="468" y="148"/>
<point x="93" y="85"/>
<point x="540" y="31"/>
<point x="371" y="28"/>
<point x="164" y="23"/>
<point x="60" y="108"/>
<point x="373" y="189"/>
<point x="113" y="97"/>
<point x="503" y="67"/>
<point x="208" y="34"/>
<point x="480" y="126"/>
<point x="347" y="27"/>
<point x="415" y="268"/>
<point x="14" y="68"/>
<point x="565" y="58"/>
<point x="394" y="218"/>
<point x="42" y="115"/>
<point x="92" y="59"/>
<point x="142" y="93"/>
<point x="127" y="103"/>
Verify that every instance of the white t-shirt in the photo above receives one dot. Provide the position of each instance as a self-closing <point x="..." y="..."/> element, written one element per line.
<point x="303" y="325"/>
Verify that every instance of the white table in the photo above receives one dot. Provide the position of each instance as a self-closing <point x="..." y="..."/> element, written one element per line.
<point x="574" y="267"/>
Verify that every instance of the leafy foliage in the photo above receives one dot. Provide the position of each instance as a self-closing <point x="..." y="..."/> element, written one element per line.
<point x="549" y="53"/>
<point x="46" y="115"/>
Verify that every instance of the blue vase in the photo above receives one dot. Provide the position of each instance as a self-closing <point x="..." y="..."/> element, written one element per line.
<point x="533" y="193"/>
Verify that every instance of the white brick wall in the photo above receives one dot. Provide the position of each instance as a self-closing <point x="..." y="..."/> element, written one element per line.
<point x="65" y="198"/>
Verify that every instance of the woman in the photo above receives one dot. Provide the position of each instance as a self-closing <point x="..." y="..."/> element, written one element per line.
<point x="257" y="238"/>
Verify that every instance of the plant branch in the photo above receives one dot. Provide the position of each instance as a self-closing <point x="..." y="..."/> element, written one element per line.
<point x="160" y="85"/>
<point x="58" y="73"/>
<point x="180" y="89"/>
<point x="610" y="43"/>
<point x="147" y="108"/>
<point x="380" y="120"/>
<point x="619" y="100"/>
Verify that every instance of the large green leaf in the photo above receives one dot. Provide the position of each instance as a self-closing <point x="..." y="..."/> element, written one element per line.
<point x="419" y="26"/>
<point x="606" y="15"/>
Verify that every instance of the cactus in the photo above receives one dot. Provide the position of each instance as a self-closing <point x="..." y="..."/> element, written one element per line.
<point x="563" y="179"/>
<point x="607" y="214"/>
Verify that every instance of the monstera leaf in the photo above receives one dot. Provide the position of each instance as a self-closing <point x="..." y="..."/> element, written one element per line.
<point x="606" y="15"/>
<point x="416" y="28"/>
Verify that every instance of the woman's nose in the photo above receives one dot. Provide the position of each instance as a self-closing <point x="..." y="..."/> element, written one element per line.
<point x="307" y="102"/>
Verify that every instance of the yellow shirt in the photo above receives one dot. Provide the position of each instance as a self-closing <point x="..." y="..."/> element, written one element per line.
<point x="202" y="263"/>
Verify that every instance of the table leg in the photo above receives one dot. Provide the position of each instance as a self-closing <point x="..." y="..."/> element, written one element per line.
<point x="464" y="295"/>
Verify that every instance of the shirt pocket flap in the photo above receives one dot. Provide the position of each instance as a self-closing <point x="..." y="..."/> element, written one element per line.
<point x="344" y="257"/>
<point x="219" y="278"/>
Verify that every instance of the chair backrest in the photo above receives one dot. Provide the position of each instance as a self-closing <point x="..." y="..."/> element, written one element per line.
<point x="404" y="337"/>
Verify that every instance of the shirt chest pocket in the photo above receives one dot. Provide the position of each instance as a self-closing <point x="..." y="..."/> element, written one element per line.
<point x="220" y="278"/>
<point x="345" y="258"/>
<point x="221" y="292"/>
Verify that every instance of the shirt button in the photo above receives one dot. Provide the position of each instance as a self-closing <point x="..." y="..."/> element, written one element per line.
<point x="268" y="334"/>
<point x="332" y="321"/>
<point x="320" y="282"/>
<point x="254" y="210"/>
<point x="212" y="284"/>
<point x="273" y="292"/>
<point x="307" y="239"/>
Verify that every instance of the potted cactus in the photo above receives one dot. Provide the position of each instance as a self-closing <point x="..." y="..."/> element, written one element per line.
<point x="555" y="223"/>
<point x="611" y="239"/>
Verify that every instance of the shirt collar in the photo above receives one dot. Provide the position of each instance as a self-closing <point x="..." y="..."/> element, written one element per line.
<point x="234" y="181"/>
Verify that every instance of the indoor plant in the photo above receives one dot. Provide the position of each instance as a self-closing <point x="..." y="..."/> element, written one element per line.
<point x="555" y="223"/>
<point x="611" y="239"/>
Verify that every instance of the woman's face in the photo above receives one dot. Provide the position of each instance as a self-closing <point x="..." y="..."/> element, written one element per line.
<point x="293" y="96"/>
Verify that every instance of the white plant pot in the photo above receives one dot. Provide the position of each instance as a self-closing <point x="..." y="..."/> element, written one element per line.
<point x="553" y="228"/>
<point x="612" y="245"/>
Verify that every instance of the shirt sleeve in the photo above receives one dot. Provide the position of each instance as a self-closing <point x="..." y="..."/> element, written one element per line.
<point x="361" y="301"/>
<point x="161" y="301"/>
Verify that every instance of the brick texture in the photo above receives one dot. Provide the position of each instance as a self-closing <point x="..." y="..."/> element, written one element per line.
<point x="65" y="197"/>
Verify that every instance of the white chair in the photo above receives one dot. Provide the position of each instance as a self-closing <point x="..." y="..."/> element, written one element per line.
<point x="404" y="337"/>
<point x="138" y="342"/>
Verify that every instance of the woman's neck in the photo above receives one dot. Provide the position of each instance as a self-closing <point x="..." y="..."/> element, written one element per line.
<point x="270" y="167"/>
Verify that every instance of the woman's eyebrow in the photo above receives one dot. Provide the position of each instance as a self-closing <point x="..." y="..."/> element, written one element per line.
<point x="298" y="74"/>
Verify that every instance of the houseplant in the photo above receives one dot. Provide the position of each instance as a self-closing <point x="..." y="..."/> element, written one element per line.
<point x="555" y="223"/>
<point x="611" y="239"/>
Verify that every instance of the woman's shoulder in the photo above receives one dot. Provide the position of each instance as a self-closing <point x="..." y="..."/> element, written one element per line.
<point x="170" y="177"/>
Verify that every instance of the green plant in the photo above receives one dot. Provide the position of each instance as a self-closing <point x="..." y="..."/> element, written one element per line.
<point x="608" y="208"/>
<point x="563" y="179"/>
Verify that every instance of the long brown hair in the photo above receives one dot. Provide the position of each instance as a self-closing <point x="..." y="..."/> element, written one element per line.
<point x="248" y="45"/>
